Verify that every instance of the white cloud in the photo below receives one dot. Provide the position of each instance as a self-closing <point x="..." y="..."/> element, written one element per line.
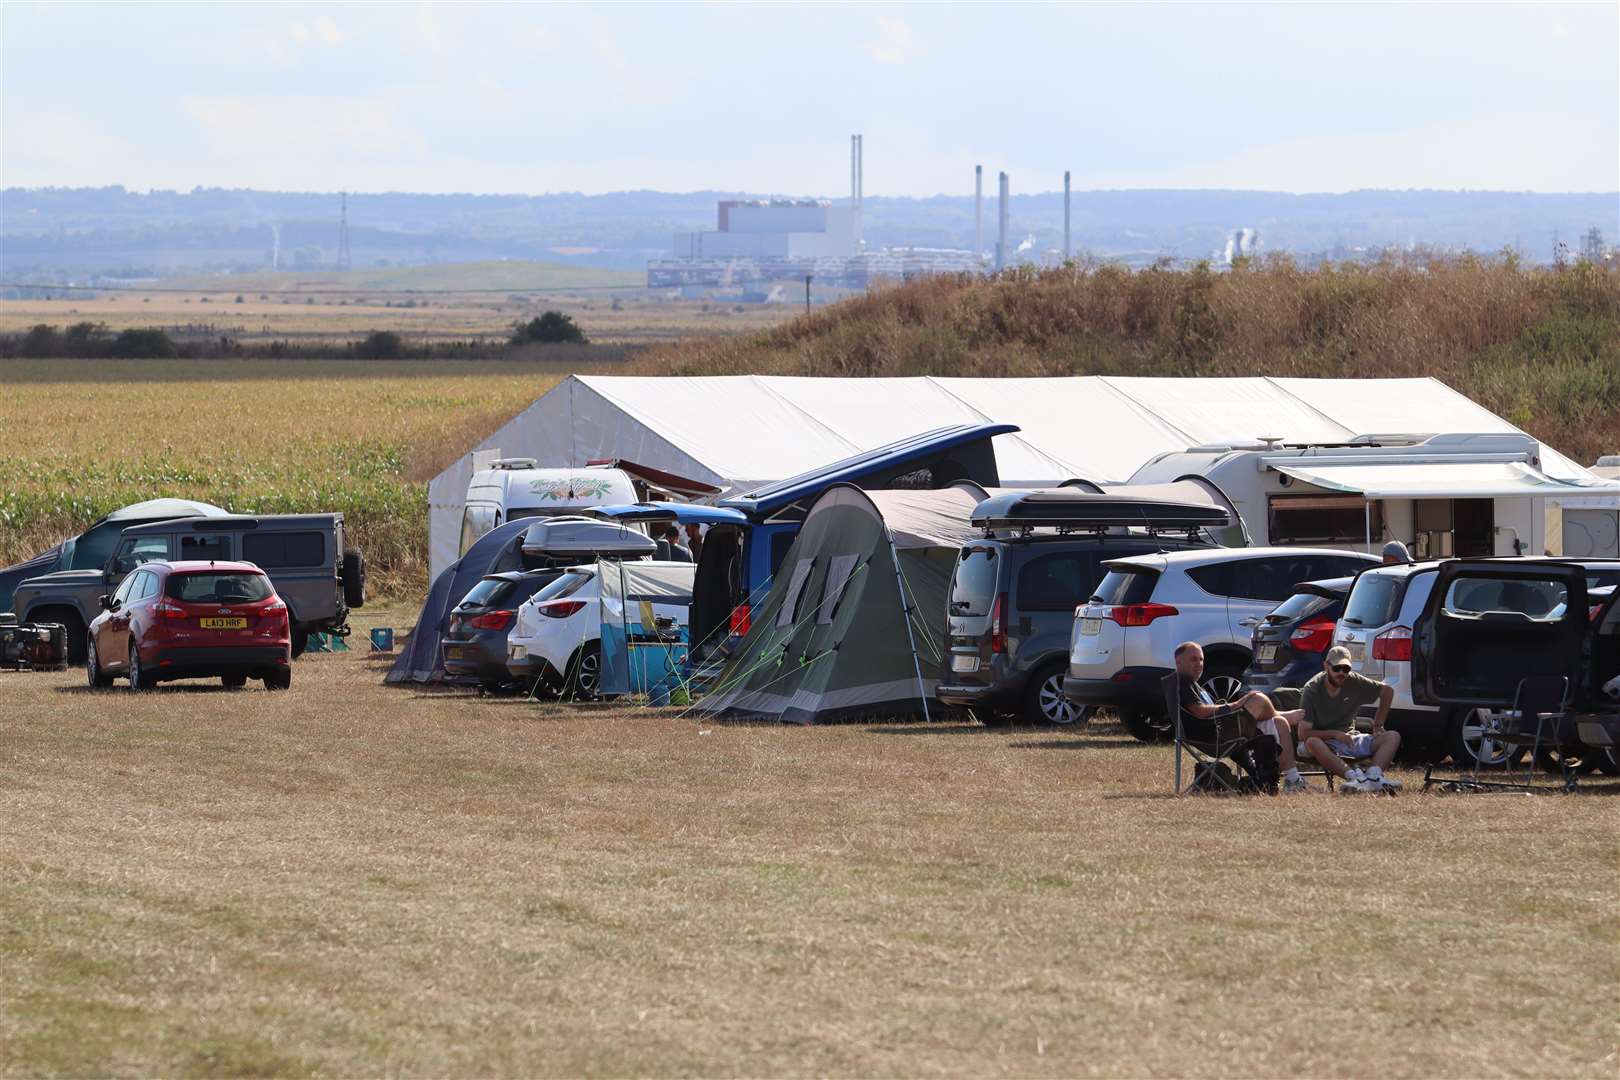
<point x="329" y="33"/>
<point x="43" y="145"/>
<point x="896" y="42"/>
<point x="301" y="142"/>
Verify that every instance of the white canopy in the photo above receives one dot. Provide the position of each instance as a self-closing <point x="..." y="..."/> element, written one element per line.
<point x="1394" y="479"/>
<point x="739" y="431"/>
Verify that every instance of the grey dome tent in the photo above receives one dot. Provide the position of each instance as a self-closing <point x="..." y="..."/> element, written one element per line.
<point x="854" y="623"/>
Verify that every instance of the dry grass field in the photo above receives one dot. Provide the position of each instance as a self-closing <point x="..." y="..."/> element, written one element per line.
<point x="362" y="437"/>
<point x="347" y="879"/>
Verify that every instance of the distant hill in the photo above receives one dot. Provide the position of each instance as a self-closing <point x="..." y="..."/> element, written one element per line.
<point x="474" y="276"/>
<point x="67" y="231"/>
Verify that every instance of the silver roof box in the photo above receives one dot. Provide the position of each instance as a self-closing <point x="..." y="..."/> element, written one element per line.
<point x="580" y="539"/>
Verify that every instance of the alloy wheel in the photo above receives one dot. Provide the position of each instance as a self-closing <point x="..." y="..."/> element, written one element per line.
<point x="1056" y="708"/>
<point x="1489" y="751"/>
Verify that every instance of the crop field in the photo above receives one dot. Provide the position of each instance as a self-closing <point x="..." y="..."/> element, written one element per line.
<point x="348" y="879"/>
<point x="361" y="437"/>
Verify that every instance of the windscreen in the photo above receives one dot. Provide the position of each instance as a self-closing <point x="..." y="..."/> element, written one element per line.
<point x="1298" y="606"/>
<point x="973" y="588"/>
<point x="487" y="593"/>
<point x="218" y="588"/>
<point x="1126" y="586"/>
<point x="1374" y="601"/>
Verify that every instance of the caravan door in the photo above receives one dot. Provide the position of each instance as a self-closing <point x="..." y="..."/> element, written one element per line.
<point x="1488" y="624"/>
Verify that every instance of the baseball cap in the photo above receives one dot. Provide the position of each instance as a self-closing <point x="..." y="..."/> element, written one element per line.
<point x="1337" y="655"/>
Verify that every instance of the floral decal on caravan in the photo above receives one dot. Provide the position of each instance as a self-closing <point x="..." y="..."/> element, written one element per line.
<point x="573" y="489"/>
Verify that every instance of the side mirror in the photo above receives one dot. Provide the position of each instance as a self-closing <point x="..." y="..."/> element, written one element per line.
<point x="104" y="600"/>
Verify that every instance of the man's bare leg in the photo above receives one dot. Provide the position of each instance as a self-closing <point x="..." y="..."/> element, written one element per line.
<point x="1384" y="745"/>
<point x="1325" y="757"/>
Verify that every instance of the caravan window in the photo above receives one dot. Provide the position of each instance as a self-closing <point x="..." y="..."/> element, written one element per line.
<point x="1322" y="519"/>
<point x="476" y="520"/>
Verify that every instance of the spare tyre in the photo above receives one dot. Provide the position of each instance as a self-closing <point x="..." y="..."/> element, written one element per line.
<point x="354" y="578"/>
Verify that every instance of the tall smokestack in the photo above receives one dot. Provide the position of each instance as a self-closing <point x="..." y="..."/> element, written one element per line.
<point x="860" y="190"/>
<point x="1001" y="234"/>
<point x="978" y="212"/>
<point x="1066" y="248"/>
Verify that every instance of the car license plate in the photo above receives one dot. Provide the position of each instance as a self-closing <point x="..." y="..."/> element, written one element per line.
<point x="1268" y="653"/>
<point x="1090" y="627"/>
<point x="453" y="653"/>
<point x="964" y="664"/>
<point x="223" y="624"/>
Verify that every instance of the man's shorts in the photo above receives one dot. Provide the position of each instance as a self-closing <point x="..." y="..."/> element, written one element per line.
<point x="1350" y="744"/>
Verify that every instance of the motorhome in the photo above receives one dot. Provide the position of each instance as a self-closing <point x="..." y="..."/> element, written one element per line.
<point x="1440" y="495"/>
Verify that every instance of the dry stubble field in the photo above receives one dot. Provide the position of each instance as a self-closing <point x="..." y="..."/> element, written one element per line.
<point x="349" y="879"/>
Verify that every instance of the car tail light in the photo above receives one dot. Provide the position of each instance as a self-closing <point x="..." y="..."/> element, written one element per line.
<point x="500" y="620"/>
<point x="555" y="609"/>
<point x="1140" y="614"/>
<point x="163" y="609"/>
<point x="1313" y="635"/>
<point x="741" y="619"/>
<point x="274" y="607"/>
<point x="1393" y="644"/>
<point x="998" y="624"/>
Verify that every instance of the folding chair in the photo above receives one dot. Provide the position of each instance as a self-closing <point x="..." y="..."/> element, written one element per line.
<point x="1538" y="718"/>
<point x="1211" y="744"/>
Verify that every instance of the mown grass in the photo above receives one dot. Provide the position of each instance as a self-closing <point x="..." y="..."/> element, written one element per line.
<point x="1539" y="346"/>
<point x="359" y="437"/>
<point x="349" y="879"/>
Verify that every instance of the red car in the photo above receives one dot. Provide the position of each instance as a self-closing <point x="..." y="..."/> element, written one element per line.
<point x="189" y="620"/>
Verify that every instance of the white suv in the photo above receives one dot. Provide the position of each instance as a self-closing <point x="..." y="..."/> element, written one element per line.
<point x="1383" y="606"/>
<point x="1124" y="638"/>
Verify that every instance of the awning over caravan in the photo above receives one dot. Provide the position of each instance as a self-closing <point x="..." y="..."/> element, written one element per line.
<point x="1442" y="480"/>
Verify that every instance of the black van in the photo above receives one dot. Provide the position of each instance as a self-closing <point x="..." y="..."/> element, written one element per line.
<point x="1013" y="594"/>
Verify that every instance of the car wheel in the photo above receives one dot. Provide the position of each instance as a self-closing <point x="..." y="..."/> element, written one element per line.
<point x="1607" y="762"/>
<point x="583" y="681"/>
<point x="1144" y="727"/>
<point x="233" y="682"/>
<point x="1469" y="743"/>
<point x="279" y="679"/>
<point x="138" y="679"/>
<point x="1223" y="683"/>
<point x="97" y="679"/>
<point x="1044" y="702"/>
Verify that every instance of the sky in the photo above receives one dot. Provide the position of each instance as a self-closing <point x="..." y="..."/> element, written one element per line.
<point x="531" y="99"/>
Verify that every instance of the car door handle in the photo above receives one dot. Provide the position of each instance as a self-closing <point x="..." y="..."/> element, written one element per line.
<point x="1251" y="622"/>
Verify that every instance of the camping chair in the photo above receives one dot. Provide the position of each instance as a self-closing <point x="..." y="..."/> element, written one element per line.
<point x="1540" y="704"/>
<point x="1212" y="743"/>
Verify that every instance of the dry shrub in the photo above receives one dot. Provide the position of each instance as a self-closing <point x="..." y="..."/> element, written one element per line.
<point x="1539" y="346"/>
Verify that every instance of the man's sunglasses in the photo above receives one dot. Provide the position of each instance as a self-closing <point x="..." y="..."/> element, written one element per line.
<point x="1340" y="669"/>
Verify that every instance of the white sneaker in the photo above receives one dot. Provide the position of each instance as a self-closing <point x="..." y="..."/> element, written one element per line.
<point x="1351" y="786"/>
<point x="1385" y="783"/>
<point x="1357" y="775"/>
<point x="1296" y="786"/>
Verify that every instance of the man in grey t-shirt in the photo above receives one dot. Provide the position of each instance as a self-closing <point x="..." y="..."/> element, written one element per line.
<point x="1328" y="704"/>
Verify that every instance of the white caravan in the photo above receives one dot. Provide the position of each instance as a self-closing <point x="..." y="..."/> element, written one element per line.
<point x="1441" y="495"/>
<point x="513" y="488"/>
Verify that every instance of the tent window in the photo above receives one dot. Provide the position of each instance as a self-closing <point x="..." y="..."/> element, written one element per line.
<point x="838" y="575"/>
<point x="1322" y="519"/>
<point x="790" y="600"/>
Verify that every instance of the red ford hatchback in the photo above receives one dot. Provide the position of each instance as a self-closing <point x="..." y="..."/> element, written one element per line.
<point x="188" y="620"/>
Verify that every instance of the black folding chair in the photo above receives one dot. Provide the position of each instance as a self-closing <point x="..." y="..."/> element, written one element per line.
<point x="1539" y="718"/>
<point x="1211" y="743"/>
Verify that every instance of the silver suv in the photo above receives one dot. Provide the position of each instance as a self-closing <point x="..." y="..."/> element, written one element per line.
<point x="1383" y="607"/>
<point x="1124" y="638"/>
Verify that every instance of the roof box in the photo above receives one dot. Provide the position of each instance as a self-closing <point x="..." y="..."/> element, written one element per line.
<point x="1072" y="509"/>
<point x="580" y="539"/>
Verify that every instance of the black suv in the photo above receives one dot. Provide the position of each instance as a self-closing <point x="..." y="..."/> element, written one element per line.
<point x="1010" y="611"/>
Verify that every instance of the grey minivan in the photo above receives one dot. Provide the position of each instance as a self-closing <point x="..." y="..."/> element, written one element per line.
<point x="1013" y="594"/>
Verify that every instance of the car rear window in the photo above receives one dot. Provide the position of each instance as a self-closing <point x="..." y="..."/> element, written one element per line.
<point x="566" y="585"/>
<point x="1056" y="582"/>
<point x="973" y="586"/>
<point x="487" y="593"/>
<point x="1298" y="606"/>
<point x="1542" y="601"/>
<point x="1126" y="586"/>
<point x="1375" y="600"/>
<point x="218" y="588"/>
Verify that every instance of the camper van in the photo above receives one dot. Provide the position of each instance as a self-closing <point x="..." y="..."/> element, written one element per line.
<point x="513" y="488"/>
<point x="1440" y="495"/>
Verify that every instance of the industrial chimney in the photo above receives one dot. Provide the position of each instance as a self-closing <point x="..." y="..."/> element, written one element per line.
<point x="1066" y="248"/>
<point x="978" y="213"/>
<point x="1001" y="234"/>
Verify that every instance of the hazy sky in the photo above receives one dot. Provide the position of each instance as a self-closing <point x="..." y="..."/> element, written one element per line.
<point x="468" y="97"/>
